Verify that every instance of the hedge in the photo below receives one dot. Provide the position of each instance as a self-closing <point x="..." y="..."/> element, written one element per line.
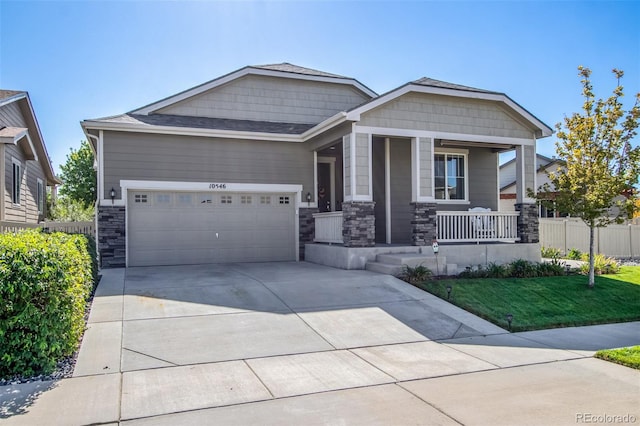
<point x="45" y="283"/>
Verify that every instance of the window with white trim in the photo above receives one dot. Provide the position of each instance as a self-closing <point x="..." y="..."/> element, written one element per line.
<point x="16" y="183"/>
<point x="245" y="199"/>
<point x="40" y="195"/>
<point x="140" y="198"/>
<point x="226" y="199"/>
<point x="449" y="174"/>
<point x="265" y="199"/>
<point x="284" y="200"/>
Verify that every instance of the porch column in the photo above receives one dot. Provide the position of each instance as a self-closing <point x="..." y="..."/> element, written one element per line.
<point x="528" y="220"/>
<point x="358" y="223"/>
<point x="423" y="206"/>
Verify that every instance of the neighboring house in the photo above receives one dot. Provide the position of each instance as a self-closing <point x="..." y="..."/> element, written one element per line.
<point x="544" y="165"/>
<point x="255" y="164"/>
<point x="25" y="168"/>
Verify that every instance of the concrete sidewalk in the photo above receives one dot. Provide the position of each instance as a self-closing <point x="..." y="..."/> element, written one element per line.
<point x="298" y="343"/>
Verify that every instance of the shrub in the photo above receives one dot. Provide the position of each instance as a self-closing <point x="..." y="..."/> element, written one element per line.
<point x="45" y="282"/>
<point x="416" y="274"/>
<point x="601" y="265"/>
<point x="471" y="272"/>
<point x="521" y="268"/>
<point x="574" y="254"/>
<point x="494" y="270"/>
<point x="550" y="252"/>
<point x="551" y="269"/>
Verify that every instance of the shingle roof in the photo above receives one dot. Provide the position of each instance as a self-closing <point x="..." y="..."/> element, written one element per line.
<point x="295" y="69"/>
<point x="170" y="120"/>
<point x="4" y="94"/>
<point x="431" y="82"/>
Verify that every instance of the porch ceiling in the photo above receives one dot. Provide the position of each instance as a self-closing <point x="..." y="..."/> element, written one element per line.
<point x="496" y="147"/>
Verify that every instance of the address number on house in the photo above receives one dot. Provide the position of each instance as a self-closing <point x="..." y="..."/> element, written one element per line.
<point x="217" y="186"/>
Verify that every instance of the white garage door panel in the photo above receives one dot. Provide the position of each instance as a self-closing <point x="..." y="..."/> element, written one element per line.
<point x="172" y="228"/>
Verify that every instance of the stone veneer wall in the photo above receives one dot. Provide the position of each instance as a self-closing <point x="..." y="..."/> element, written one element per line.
<point x="423" y="224"/>
<point x="358" y="224"/>
<point x="111" y="236"/>
<point x="528" y="223"/>
<point x="307" y="229"/>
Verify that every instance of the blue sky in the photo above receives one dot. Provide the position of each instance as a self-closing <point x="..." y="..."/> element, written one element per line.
<point x="88" y="59"/>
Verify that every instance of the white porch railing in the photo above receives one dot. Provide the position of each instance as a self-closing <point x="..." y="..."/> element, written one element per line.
<point x="328" y="227"/>
<point x="477" y="226"/>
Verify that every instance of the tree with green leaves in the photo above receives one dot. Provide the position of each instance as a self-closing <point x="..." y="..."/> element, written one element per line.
<point x="600" y="165"/>
<point x="78" y="176"/>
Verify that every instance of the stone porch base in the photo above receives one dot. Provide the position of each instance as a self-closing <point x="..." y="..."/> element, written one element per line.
<point x="462" y="255"/>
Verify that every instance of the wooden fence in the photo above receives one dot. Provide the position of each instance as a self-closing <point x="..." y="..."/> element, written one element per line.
<point x="613" y="240"/>
<point x="87" y="228"/>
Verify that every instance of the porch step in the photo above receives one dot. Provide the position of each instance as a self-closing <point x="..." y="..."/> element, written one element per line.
<point x="393" y="263"/>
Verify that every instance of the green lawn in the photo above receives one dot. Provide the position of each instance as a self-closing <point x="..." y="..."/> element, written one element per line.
<point x="549" y="302"/>
<point x="625" y="356"/>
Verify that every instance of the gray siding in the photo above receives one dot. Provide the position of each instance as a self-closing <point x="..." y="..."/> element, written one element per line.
<point x="362" y="164"/>
<point x="401" y="215"/>
<point x="27" y="210"/>
<point x="419" y="111"/>
<point x="11" y="116"/>
<point x="276" y="99"/>
<point x="377" y="152"/>
<point x="135" y="156"/>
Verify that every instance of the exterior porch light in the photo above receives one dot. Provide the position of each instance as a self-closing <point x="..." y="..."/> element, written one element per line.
<point x="308" y="198"/>
<point x="112" y="194"/>
<point x="509" y="318"/>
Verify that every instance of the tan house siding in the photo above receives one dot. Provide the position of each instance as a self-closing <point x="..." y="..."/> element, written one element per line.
<point x="419" y="111"/>
<point x="426" y="166"/>
<point x="135" y="156"/>
<point x="264" y="98"/>
<point x="362" y="164"/>
<point x="10" y="115"/>
<point x="346" y="143"/>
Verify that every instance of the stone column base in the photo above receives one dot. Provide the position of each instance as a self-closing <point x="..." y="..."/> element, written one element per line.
<point x="423" y="225"/>
<point x="528" y="223"/>
<point x="111" y="236"/>
<point x="358" y="224"/>
<point x="307" y="230"/>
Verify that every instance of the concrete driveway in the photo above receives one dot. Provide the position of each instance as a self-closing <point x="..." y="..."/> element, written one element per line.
<point x="298" y="343"/>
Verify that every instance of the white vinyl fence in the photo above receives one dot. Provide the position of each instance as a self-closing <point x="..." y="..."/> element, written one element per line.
<point x="87" y="228"/>
<point x="613" y="240"/>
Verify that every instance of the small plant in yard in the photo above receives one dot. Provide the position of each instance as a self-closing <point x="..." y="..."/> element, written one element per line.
<point x="550" y="252"/>
<point x="415" y="275"/>
<point x="574" y="254"/>
<point x="551" y="269"/>
<point x="629" y="357"/>
<point x="473" y="272"/>
<point x="495" y="270"/>
<point x="521" y="268"/>
<point x="601" y="265"/>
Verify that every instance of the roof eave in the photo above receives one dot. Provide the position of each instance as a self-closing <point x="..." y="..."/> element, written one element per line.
<point x="189" y="131"/>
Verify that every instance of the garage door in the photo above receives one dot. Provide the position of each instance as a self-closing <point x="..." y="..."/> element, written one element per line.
<point x="175" y="228"/>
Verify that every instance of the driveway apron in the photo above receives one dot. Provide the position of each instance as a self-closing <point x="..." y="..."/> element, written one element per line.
<point x="299" y="343"/>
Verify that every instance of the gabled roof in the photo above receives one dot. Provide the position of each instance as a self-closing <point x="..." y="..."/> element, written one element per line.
<point x="438" y="87"/>
<point x="283" y="70"/>
<point x="542" y="163"/>
<point x="34" y="144"/>
<point x="431" y="82"/>
<point x="295" y="69"/>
